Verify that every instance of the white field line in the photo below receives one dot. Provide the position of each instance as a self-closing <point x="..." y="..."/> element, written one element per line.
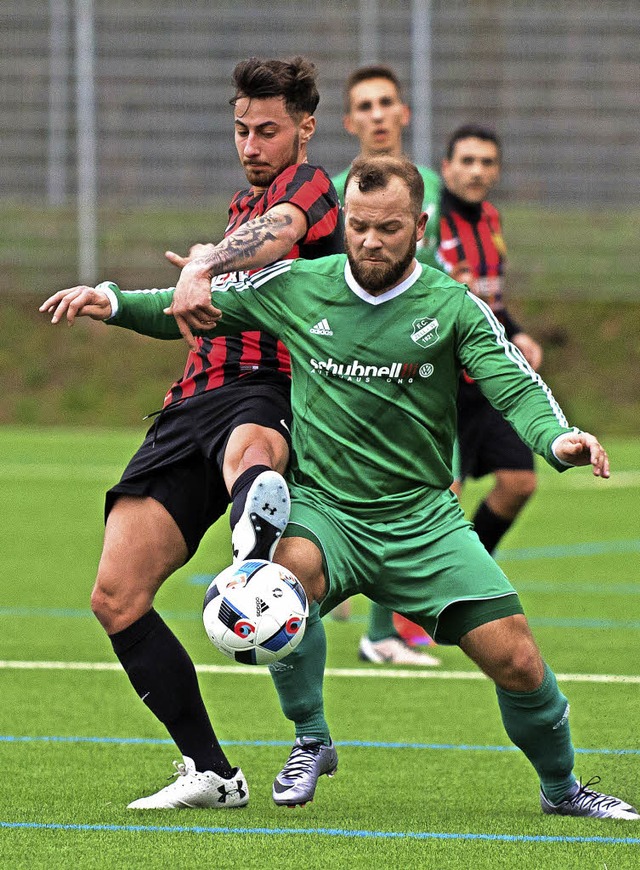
<point x="375" y="673"/>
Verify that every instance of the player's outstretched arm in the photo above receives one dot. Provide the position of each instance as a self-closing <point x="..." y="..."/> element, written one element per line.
<point x="581" y="448"/>
<point x="253" y="245"/>
<point x="75" y="302"/>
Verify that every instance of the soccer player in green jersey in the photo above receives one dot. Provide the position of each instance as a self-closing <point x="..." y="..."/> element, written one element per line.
<point x="377" y="343"/>
<point x="376" y="114"/>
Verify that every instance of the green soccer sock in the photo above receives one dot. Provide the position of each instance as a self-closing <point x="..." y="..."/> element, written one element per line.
<point x="538" y="723"/>
<point x="298" y="680"/>
<point x="380" y="623"/>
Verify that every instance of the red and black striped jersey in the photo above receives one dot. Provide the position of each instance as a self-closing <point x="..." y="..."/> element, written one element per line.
<point x="472" y="232"/>
<point x="220" y="361"/>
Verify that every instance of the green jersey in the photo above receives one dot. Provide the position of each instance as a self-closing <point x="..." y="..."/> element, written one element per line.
<point x="374" y="378"/>
<point x="428" y="247"/>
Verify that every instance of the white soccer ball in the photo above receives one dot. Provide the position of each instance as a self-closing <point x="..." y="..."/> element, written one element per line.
<point x="255" y="612"/>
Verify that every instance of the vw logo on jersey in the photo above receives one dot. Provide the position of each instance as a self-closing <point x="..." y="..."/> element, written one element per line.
<point x="425" y="331"/>
<point x="426" y="370"/>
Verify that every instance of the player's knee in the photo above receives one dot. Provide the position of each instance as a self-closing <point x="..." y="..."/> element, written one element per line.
<point x="513" y="491"/>
<point x="521" y="668"/>
<point x="115" y="606"/>
<point x="526" y="487"/>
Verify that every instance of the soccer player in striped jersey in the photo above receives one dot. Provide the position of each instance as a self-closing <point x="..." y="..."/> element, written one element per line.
<point x="223" y="436"/>
<point x="471" y="237"/>
<point x="377" y="342"/>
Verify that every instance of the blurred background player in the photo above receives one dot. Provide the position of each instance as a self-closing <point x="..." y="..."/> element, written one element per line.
<point x="471" y="242"/>
<point x="223" y="436"/>
<point x="376" y="114"/>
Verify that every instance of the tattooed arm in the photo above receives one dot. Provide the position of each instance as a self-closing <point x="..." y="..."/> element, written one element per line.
<point x="254" y="244"/>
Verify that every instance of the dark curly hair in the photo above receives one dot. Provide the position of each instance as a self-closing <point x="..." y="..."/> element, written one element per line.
<point x="294" y="80"/>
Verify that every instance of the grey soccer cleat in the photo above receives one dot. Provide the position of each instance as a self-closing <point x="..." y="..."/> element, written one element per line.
<point x="309" y="759"/>
<point x="193" y="789"/>
<point x="263" y="520"/>
<point x="593" y="804"/>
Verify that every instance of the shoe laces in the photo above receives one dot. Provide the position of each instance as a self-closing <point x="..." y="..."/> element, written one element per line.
<point x="180" y="769"/>
<point x="586" y="798"/>
<point x="301" y="759"/>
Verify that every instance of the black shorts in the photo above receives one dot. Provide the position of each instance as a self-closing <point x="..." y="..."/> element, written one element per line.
<point x="180" y="461"/>
<point x="486" y="441"/>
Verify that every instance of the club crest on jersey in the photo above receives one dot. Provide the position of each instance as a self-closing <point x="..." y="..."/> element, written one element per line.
<point x="425" y="331"/>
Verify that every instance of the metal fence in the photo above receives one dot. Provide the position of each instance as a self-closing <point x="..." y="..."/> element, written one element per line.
<point x="559" y="81"/>
<point x="124" y="104"/>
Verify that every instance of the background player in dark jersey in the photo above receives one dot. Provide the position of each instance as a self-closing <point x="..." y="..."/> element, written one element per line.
<point x="223" y="427"/>
<point x="471" y="237"/>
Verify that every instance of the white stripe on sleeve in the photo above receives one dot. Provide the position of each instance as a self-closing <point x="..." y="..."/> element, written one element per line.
<point x="512" y="353"/>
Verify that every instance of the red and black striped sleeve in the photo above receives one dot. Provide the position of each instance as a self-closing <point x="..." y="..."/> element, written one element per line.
<point x="310" y="188"/>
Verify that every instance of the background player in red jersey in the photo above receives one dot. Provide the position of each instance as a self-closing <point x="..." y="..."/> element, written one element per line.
<point x="471" y="243"/>
<point x="223" y="435"/>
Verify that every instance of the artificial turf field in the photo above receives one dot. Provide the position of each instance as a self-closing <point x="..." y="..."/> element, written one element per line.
<point x="426" y="779"/>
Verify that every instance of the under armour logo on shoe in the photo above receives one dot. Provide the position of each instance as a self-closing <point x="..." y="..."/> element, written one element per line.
<point x="227" y="792"/>
<point x="266" y="507"/>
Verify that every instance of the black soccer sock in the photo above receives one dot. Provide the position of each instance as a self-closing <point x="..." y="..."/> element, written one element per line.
<point x="240" y="490"/>
<point x="164" y="677"/>
<point x="489" y="526"/>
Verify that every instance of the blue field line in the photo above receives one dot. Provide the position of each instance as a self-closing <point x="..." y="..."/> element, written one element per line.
<point x="593" y="587"/>
<point x="581" y="622"/>
<point x="562" y="551"/>
<point x="322" y="832"/>
<point x="358" y="744"/>
<point x="559" y="551"/>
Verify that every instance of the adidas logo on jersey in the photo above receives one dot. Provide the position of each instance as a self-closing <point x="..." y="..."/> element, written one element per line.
<point x="321" y="328"/>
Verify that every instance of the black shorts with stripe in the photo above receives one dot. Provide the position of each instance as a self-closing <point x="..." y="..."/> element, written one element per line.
<point x="180" y="461"/>
<point x="487" y="442"/>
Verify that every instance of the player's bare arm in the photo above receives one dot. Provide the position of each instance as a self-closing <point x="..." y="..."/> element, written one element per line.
<point x="75" y="302"/>
<point x="253" y="245"/>
<point x="582" y="448"/>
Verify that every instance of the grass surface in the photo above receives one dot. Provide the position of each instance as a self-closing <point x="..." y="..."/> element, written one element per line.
<point x="572" y="280"/>
<point x="427" y="778"/>
<point x="553" y="253"/>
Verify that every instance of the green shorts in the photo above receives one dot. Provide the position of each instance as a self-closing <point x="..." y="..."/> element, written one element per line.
<point x="430" y="566"/>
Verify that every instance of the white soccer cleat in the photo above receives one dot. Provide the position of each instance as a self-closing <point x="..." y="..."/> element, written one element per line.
<point x="263" y="520"/>
<point x="591" y="804"/>
<point x="195" y="790"/>
<point x="394" y="651"/>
